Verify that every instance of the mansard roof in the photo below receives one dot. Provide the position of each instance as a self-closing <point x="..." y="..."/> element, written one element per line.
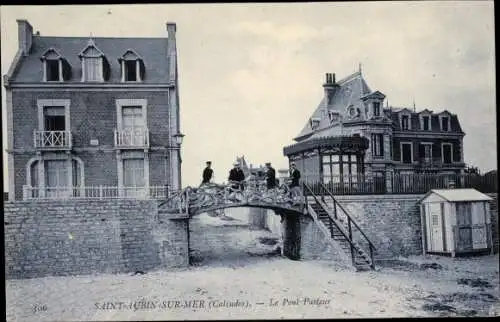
<point x="30" y="69"/>
<point x="349" y="91"/>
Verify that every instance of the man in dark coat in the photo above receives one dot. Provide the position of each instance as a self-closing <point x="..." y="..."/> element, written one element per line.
<point x="237" y="175"/>
<point x="270" y="176"/>
<point x="207" y="173"/>
<point x="295" y="177"/>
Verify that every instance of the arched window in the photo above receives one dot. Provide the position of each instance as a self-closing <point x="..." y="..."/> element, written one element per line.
<point x="33" y="170"/>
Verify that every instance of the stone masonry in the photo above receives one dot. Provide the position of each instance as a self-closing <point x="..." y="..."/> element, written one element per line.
<point x="54" y="238"/>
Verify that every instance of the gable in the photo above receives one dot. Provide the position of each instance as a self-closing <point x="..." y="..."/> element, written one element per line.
<point x="91" y="50"/>
<point x="51" y="53"/>
<point x="130" y="54"/>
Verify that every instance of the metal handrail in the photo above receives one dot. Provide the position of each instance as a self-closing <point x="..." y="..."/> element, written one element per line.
<point x="331" y="219"/>
<point x="347" y="214"/>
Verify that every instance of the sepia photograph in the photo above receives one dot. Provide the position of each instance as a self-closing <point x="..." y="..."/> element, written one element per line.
<point x="249" y="161"/>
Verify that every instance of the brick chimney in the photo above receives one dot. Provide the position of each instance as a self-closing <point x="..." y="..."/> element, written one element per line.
<point x="330" y="86"/>
<point x="25" y="36"/>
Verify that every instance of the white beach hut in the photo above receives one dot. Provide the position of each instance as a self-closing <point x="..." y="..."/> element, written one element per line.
<point x="455" y="221"/>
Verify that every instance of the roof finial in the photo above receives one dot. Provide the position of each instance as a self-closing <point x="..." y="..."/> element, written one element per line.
<point x="359" y="67"/>
<point x="414" y="109"/>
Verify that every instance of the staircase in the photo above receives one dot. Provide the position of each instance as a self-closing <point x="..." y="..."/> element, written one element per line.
<point x="340" y="226"/>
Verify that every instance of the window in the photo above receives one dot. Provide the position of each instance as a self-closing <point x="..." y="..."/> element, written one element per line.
<point x="54" y="118"/>
<point x="56" y="177"/>
<point x="133" y="176"/>
<point x="378" y="145"/>
<point x="390" y="146"/>
<point x="333" y="116"/>
<point x="445" y="123"/>
<point x="447" y="150"/>
<point x="406" y="153"/>
<point x="52" y="70"/>
<point x="93" y="69"/>
<point x="133" y="125"/>
<point x="130" y="70"/>
<point x="314" y="123"/>
<point x="376" y="108"/>
<point x="405" y="122"/>
<point x="55" y="67"/>
<point x="93" y="61"/>
<point x="425" y="152"/>
<point x="341" y="168"/>
<point x="426" y="123"/>
<point x="132" y="66"/>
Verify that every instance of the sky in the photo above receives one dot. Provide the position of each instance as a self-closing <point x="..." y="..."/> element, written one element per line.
<point x="250" y="75"/>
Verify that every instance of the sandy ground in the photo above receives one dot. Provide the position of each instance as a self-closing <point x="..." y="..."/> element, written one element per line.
<point x="265" y="287"/>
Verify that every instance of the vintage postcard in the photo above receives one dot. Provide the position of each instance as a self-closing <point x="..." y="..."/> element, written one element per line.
<point x="250" y="161"/>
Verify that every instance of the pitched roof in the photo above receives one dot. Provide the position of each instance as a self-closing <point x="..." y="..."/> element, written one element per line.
<point x="454" y="195"/>
<point x="349" y="92"/>
<point x="153" y="50"/>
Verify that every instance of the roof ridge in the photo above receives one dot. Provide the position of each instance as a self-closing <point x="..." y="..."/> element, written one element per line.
<point x="97" y="37"/>
<point x="350" y="77"/>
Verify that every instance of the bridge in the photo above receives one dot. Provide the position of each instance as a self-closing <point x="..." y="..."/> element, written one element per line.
<point x="213" y="197"/>
<point x="317" y="204"/>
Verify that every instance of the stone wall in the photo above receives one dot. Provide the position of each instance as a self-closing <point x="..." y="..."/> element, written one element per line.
<point x="392" y="222"/>
<point x="53" y="238"/>
<point x="494" y="220"/>
<point x="314" y="244"/>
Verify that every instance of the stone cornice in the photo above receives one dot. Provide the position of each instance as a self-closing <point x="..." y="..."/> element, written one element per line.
<point x="105" y="149"/>
<point x="90" y="86"/>
<point x="427" y="134"/>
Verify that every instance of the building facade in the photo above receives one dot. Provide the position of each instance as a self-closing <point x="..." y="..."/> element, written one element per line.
<point x="91" y="117"/>
<point x="352" y="134"/>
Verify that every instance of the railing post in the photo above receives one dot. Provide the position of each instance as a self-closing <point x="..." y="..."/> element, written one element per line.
<point x="371" y="255"/>
<point x="335" y="209"/>
<point x="350" y="238"/>
<point x="100" y="192"/>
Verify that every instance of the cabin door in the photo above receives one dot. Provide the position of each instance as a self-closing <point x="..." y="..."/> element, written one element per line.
<point x="479" y="226"/>
<point x="464" y="226"/>
<point x="436" y="227"/>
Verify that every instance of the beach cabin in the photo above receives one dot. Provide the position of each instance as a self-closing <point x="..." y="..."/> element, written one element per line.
<point x="455" y="221"/>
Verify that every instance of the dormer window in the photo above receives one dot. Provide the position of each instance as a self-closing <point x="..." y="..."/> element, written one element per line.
<point x="333" y="116"/>
<point x="445" y="123"/>
<point x="314" y="123"/>
<point x="52" y="69"/>
<point x="376" y="108"/>
<point x="95" y="67"/>
<point x="132" y="66"/>
<point x="55" y="67"/>
<point x="426" y="123"/>
<point x="405" y="122"/>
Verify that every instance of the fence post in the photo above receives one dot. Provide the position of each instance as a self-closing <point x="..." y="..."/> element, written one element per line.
<point x="388" y="180"/>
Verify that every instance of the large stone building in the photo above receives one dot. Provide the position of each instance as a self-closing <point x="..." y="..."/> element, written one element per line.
<point x="352" y="134"/>
<point x="92" y="116"/>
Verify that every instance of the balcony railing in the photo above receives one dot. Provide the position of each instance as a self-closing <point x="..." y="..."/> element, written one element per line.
<point x="52" y="139"/>
<point x="390" y="183"/>
<point x="94" y="192"/>
<point x="136" y="138"/>
<point x="435" y="162"/>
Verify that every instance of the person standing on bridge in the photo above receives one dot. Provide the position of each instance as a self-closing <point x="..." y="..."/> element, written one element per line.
<point x="270" y="176"/>
<point x="236" y="175"/>
<point x="294" y="184"/>
<point x="207" y="173"/>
